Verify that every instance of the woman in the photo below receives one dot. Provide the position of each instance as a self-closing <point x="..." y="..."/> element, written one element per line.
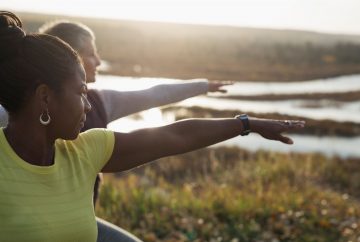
<point x="109" y="105"/>
<point x="48" y="169"/>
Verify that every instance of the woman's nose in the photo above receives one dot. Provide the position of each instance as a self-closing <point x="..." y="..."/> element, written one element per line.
<point x="98" y="60"/>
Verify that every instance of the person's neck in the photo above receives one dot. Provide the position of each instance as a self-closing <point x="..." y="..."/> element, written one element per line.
<point x="31" y="144"/>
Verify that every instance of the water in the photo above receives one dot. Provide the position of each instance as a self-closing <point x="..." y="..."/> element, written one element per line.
<point x="337" y="111"/>
<point x="327" y="145"/>
<point x="318" y="109"/>
<point x="324" y="109"/>
<point x="332" y="85"/>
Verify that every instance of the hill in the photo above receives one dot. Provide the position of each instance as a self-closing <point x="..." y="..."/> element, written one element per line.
<point x="135" y="48"/>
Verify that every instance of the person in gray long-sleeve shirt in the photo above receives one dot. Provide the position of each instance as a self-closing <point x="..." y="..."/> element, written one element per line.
<point x="118" y="104"/>
<point x="109" y="105"/>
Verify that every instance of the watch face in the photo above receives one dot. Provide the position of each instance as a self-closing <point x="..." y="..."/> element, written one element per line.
<point x="246" y="125"/>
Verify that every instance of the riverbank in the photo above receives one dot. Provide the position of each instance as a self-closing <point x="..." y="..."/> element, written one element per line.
<point x="313" y="127"/>
<point x="341" y="96"/>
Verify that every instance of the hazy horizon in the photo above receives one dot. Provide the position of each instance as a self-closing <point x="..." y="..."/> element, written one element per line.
<point x="326" y="16"/>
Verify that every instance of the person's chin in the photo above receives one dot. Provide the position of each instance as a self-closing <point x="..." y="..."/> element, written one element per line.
<point x="73" y="135"/>
<point x="91" y="79"/>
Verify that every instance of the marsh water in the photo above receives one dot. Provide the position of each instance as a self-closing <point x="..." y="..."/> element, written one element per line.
<point x="314" y="109"/>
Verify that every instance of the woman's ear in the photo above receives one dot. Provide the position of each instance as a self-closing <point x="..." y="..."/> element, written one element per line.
<point x="43" y="95"/>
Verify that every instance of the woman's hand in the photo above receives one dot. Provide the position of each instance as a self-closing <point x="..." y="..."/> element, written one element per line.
<point x="273" y="129"/>
<point x="217" y="86"/>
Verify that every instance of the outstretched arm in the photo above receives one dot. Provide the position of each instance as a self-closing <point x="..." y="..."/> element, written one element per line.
<point x="145" y="145"/>
<point x="119" y="104"/>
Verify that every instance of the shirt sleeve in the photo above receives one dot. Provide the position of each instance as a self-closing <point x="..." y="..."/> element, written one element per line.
<point x="119" y="104"/>
<point x="98" y="145"/>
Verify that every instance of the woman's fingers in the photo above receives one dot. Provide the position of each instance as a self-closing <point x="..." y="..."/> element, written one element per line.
<point x="222" y="90"/>
<point x="293" y="124"/>
<point x="217" y="86"/>
<point x="273" y="129"/>
<point x="288" y="125"/>
<point x="286" y="140"/>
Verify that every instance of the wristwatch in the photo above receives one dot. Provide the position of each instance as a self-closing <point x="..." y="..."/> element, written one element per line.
<point x="245" y="122"/>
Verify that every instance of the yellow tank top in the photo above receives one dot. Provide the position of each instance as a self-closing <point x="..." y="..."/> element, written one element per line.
<point x="52" y="203"/>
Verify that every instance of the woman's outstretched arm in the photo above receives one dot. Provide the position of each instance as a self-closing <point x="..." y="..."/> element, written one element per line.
<point x="119" y="104"/>
<point x="145" y="145"/>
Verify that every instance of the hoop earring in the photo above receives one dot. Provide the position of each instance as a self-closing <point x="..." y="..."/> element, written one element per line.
<point x="47" y="118"/>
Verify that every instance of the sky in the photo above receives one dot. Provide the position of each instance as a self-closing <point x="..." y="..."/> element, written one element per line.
<point x="328" y="16"/>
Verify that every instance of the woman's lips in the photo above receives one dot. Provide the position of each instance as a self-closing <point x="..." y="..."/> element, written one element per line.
<point x="82" y="123"/>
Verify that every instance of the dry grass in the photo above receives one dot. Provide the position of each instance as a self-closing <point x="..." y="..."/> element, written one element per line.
<point x="227" y="194"/>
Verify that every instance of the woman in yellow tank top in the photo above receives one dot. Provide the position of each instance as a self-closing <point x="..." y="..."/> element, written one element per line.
<point x="47" y="169"/>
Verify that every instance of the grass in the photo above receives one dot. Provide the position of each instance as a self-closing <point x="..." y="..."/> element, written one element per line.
<point x="228" y="194"/>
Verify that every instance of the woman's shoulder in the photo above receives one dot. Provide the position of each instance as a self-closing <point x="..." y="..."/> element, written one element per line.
<point x="90" y="135"/>
<point x="89" y="142"/>
<point x="95" y="134"/>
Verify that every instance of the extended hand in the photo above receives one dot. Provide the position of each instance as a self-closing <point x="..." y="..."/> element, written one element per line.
<point x="273" y="129"/>
<point x="216" y="86"/>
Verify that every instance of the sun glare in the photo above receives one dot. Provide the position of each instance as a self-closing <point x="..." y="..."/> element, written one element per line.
<point x="320" y="15"/>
